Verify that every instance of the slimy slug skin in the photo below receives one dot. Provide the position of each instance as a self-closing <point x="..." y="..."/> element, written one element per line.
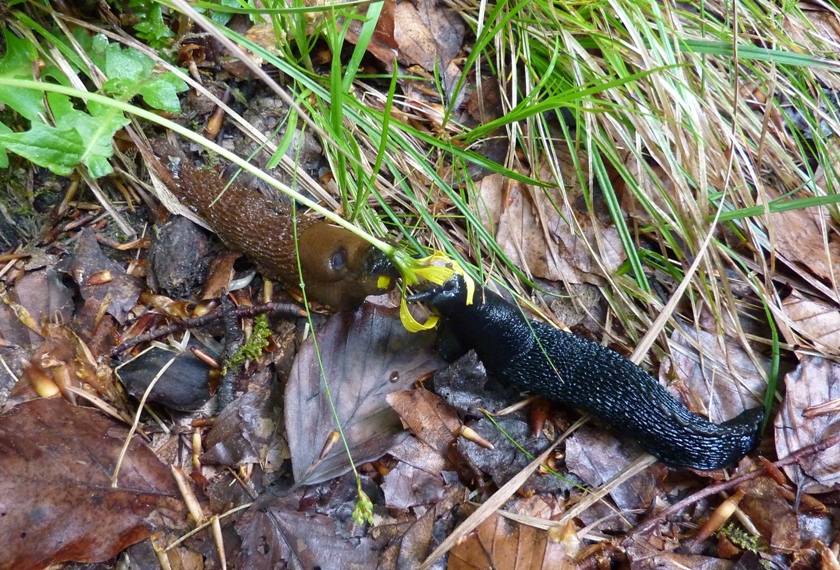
<point x="585" y="375"/>
<point x="339" y="268"/>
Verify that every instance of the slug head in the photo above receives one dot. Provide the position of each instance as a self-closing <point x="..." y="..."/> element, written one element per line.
<point x="448" y="298"/>
<point x="340" y="269"/>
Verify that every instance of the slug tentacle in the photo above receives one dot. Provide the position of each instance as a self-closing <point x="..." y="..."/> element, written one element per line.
<point x="585" y="375"/>
<point x="339" y="268"/>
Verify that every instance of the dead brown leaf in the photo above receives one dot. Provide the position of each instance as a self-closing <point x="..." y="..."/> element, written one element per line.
<point x="514" y="447"/>
<point x="504" y="544"/>
<point x="410" y="536"/>
<point x="405" y="487"/>
<point x="815" y="381"/>
<point x="430" y="35"/>
<point x="60" y="364"/>
<point x="821" y="22"/>
<point x="245" y="431"/>
<point x="366" y="355"/>
<point x="428" y="417"/>
<point x="382" y="45"/>
<point x="465" y="386"/>
<point x="119" y="294"/>
<point x="276" y="535"/>
<point x="44" y="297"/>
<point x="801" y="236"/>
<point x="419" y="455"/>
<point x="716" y="376"/>
<point x="56" y="499"/>
<point x="544" y="242"/>
<point x="819" y="322"/>
<point x="595" y="456"/>
<point x="771" y="513"/>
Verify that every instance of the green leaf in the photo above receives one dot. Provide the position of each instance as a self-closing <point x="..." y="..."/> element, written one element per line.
<point x="17" y="64"/>
<point x="127" y="64"/>
<point x="46" y="146"/>
<point x="152" y="28"/>
<point x="97" y="130"/>
<point x="162" y="93"/>
<point x="77" y="138"/>
<point x="4" y="158"/>
<point x="130" y="72"/>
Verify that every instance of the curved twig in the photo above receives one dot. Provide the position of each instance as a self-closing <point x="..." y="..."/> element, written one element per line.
<point x="285" y="309"/>
<point x="794" y="457"/>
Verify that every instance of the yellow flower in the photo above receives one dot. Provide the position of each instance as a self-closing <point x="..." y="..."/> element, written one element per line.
<point x="413" y="269"/>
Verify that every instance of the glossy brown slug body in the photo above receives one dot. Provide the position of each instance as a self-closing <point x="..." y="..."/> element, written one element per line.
<point x="339" y="268"/>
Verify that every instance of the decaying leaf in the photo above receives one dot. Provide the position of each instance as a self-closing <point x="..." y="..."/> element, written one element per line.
<point x="465" y="386"/>
<point x="773" y="515"/>
<point x="366" y="355"/>
<point x="800" y="236"/>
<point x="60" y="364"/>
<point x="428" y="417"/>
<point x="499" y="542"/>
<point x="245" y="430"/>
<point x="44" y="297"/>
<point x="818" y="322"/>
<point x="552" y="244"/>
<point x="411" y="535"/>
<point x="382" y="44"/>
<point x="514" y="447"/>
<point x="595" y="456"/>
<point x="406" y="486"/>
<point x="56" y="499"/>
<point x="119" y="294"/>
<point x="815" y="381"/>
<point x="429" y="36"/>
<point x="276" y="535"/>
<point x="716" y="376"/>
<point x="419" y="455"/>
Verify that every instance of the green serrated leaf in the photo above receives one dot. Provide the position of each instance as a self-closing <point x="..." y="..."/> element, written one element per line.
<point x="97" y="132"/>
<point x="152" y="28"/>
<point x="78" y="137"/>
<point x="17" y="64"/>
<point x="130" y="72"/>
<point x="127" y="64"/>
<point x="46" y="146"/>
<point x="162" y="93"/>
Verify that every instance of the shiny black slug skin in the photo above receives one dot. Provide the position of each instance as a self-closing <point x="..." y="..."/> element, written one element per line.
<point x="587" y="376"/>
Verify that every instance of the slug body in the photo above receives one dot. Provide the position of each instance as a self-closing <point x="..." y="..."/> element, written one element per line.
<point x="339" y="268"/>
<point x="590" y="377"/>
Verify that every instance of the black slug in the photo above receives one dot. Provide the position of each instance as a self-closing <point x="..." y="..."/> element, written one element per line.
<point x="587" y="376"/>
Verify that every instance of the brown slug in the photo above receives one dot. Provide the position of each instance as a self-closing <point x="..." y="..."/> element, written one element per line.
<point x="339" y="268"/>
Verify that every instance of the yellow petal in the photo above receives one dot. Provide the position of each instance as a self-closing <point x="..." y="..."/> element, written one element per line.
<point x="411" y="324"/>
<point x="470" y="288"/>
<point x="435" y="273"/>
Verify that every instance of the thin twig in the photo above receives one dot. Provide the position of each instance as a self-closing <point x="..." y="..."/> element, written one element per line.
<point x="285" y="309"/>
